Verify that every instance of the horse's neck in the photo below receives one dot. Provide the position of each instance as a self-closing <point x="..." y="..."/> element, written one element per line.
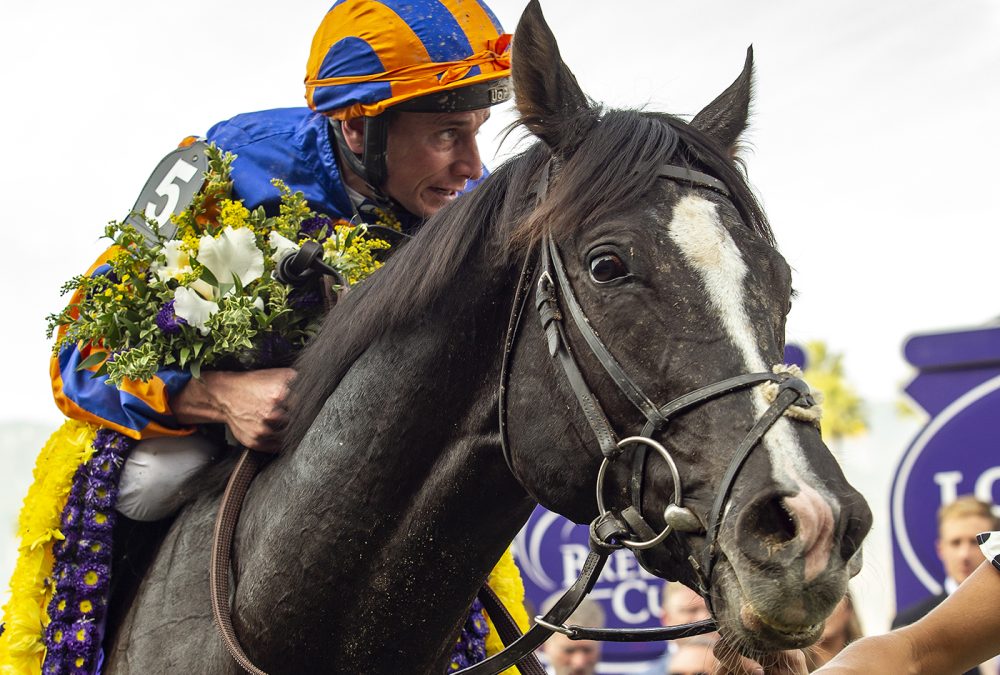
<point x="370" y="540"/>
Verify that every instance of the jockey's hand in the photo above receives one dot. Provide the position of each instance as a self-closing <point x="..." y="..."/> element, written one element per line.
<point x="251" y="403"/>
<point x="792" y="662"/>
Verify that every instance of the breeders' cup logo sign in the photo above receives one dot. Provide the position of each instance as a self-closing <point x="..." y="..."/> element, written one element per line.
<point x="956" y="453"/>
<point x="550" y="553"/>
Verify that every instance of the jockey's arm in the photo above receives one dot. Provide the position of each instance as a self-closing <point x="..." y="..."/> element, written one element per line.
<point x="251" y="403"/>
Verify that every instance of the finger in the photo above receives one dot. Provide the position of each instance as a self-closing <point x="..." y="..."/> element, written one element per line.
<point x="269" y="442"/>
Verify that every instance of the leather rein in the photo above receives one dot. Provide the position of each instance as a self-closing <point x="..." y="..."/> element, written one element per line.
<point x="611" y="530"/>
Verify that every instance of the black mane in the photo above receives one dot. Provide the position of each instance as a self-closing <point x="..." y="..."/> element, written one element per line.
<point x="613" y="164"/>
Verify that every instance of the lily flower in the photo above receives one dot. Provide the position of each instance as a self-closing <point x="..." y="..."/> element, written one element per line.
<point x="178" y="262"/>
<point x="281" y="245"/>
<point x="233" y="255"/>
<point x="191" y="307"/>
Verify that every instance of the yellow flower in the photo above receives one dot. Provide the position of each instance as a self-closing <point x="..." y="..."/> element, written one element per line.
<point x="505" y="580"/>
<point x="357" y="260"/>
<point x="21" y="645"/>
<point x="233" y="214"/>
<point x="190" y="243"/>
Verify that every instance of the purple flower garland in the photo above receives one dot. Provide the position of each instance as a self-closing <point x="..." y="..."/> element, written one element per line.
<point x="82" y="571"/>
<point x="471" y="646"/>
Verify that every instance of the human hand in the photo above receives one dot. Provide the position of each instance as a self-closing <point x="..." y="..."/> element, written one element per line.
<point x="251" y="403"/>
<point x="731" y="662"/>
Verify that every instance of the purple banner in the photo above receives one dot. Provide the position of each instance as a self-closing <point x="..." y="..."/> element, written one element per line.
<point x="955" y="454"/>
<point x="550" y="552"/>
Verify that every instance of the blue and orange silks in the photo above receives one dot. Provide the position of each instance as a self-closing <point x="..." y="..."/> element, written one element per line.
<point x="137" y="409"/>
<point x="292" y="144"/>
<point x="368" y="55"/>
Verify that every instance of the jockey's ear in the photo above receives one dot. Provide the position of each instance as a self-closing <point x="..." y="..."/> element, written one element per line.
<point x="725" y="118"/>
<point x="546" y="92"/>
<point x="354" y="133"/>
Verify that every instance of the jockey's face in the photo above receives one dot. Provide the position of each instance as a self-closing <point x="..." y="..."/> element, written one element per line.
<point x="430" y="156"/>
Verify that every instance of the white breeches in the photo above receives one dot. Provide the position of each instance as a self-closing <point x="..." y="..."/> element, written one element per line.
<point x="155" y="471"/>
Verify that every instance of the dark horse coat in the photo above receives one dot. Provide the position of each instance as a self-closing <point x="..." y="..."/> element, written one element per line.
<point x="362" y="546"/>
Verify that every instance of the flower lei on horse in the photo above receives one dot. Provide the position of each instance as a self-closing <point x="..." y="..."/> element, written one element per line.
<point x="205" y="296"/>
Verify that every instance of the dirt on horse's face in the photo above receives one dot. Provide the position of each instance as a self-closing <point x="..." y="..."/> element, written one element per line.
<point x="684" y="285"/>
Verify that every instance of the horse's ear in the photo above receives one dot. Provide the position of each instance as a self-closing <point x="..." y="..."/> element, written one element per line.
<point x="725" y="118"/>
<point x="546" y="92"/>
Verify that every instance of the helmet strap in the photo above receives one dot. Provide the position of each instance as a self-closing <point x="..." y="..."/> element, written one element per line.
<point x="370" y="166"/>
<point x="376" y="141"/>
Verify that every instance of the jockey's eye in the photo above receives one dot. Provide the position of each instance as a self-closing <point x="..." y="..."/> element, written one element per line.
<point x="606" y="267"/>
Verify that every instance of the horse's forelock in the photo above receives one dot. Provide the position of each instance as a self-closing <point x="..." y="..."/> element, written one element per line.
<point x="615" y="165"/>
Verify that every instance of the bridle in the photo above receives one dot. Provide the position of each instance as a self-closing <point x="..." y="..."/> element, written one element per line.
<point x="611" y="530"/>
<point x="628" y="528"/>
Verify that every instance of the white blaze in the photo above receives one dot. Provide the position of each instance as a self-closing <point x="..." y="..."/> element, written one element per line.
<point x="698" y="232"/>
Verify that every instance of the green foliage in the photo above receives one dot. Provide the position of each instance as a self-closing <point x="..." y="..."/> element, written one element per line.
<point x="843" y="410"/>
<point x="234" y="321"/>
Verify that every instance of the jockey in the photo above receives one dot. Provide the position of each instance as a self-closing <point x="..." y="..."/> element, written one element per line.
<point x="396" y="95"/>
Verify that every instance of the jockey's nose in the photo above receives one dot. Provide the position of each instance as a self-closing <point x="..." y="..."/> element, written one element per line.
<point x="468" y="163"/>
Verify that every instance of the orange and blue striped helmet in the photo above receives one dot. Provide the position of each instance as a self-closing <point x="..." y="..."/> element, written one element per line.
<point x="426" y="55"/>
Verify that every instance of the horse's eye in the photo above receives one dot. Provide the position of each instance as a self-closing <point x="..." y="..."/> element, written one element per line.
<point x="607" y="267"/>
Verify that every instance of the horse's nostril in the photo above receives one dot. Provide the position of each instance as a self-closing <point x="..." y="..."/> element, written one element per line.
<point x="768" y="524"/>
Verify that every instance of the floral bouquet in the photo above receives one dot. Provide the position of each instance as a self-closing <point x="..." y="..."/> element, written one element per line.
<point x="207" y="295"/>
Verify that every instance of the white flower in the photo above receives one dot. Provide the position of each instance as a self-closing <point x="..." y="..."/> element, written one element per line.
<point x="281" y="245"/>
<point x="204" y="289"/>
<point x="233" y="255"/>
<point x="178" y="262"/>
<point x="191" y="307"/>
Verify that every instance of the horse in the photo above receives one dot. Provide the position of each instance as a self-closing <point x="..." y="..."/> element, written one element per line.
<point x="363" y="544"/>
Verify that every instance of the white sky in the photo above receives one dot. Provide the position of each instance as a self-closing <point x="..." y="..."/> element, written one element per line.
<point x="874" y="140"/>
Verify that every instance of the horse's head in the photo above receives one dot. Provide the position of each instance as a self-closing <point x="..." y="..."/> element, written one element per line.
<point x="674" y="265"/>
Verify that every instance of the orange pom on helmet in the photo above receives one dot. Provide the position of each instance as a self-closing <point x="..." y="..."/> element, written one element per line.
<point x="423" y="55"/>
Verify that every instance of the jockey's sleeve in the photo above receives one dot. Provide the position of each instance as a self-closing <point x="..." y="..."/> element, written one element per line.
<point x="137" y="409"/>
